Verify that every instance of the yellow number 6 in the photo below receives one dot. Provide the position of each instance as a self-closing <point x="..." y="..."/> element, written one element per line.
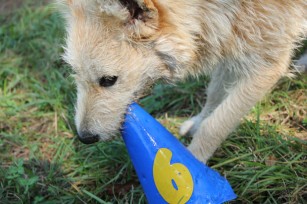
<point x="173" y="181"/>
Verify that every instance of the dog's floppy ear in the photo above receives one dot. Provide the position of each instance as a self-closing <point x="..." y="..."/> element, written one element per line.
<point x="143" y="21"/>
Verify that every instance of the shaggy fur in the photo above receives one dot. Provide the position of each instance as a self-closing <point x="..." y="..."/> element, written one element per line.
<point x="244" y="45"/>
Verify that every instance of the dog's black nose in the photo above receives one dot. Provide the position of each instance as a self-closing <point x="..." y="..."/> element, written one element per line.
<point x="88" y="138"/>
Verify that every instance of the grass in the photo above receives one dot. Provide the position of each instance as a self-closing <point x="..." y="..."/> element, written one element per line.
<point x="265" y="159"/>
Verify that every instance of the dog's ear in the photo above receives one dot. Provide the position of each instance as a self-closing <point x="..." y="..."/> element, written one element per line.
<point x="144" y="18"/>
<point x="133" y="7"/>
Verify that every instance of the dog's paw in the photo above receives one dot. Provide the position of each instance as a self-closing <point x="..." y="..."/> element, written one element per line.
<point x="189" y="127"/>
<point x="186" y="127"/>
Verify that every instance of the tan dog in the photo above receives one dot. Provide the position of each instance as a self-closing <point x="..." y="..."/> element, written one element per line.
<point x="117" y="47"/>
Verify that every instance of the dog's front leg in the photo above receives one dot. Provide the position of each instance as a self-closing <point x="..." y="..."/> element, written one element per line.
<point x="216" y="92"/>
<point x="241" y="97"/>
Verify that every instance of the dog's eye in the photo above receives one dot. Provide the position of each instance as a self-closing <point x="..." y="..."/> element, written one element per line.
<point x="107" y="81"/>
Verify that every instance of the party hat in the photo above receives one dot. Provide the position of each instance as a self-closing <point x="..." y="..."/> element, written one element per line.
<point x="168" y="172"/>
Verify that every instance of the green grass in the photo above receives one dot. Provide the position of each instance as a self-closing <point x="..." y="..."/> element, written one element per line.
<point x="265" y="159"/>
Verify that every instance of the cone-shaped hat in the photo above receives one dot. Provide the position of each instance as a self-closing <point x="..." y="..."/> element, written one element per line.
<point x="168" y="172"/>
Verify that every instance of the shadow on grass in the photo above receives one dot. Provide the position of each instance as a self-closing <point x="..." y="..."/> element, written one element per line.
<point x="107" y="173"/>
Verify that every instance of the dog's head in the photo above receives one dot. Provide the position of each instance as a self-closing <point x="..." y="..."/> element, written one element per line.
<point x="116" y="48"/>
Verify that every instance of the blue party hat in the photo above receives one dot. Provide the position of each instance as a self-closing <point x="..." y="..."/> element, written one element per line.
<point x="168" y="172"/>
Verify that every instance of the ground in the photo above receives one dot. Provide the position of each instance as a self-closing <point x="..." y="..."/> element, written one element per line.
<point x="265" y="159"/>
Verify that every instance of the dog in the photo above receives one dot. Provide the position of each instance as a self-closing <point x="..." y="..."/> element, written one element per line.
<point x="119" y="48"/>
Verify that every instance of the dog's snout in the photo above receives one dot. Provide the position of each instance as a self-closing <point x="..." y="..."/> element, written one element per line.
<point x="88" y="138"/>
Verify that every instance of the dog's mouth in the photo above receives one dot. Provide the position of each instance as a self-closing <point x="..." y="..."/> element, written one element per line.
<point x="88" y="138"/>
<point x="94" y="138"/>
